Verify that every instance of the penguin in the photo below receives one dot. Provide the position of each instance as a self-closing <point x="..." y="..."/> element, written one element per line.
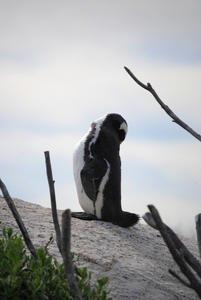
<point x="97" y="172"/>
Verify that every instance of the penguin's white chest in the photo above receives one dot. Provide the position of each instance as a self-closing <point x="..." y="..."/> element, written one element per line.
<point x="86" y="203"/>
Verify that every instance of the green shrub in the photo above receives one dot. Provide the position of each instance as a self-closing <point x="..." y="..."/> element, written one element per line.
<point x="24" y="277"/>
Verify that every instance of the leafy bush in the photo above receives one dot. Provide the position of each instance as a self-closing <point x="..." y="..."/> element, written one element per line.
<point x="24" y="277"/>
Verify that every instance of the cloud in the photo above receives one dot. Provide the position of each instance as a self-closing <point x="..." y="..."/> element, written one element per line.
<point x="62" y="67"/>
<point x="180" y="154"/>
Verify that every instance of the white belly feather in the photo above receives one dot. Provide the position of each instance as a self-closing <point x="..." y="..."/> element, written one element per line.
<point x="78" y="163"/>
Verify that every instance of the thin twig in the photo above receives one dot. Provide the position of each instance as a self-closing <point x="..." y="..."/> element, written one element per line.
<point x="198" y="230"/>
<point x="177" y="256"/>
<point x="180" y="279"/>
<point x="190" y="259"/>
<point x="150" y="220"/>
<point x="177" y="120"/>
<point x="18" y="219"/>
<point x="66" y="253"/>
<point x="53" y="200"/>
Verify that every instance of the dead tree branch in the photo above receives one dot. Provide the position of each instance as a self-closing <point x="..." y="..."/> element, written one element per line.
<point x="188" y="256"/>
<point x="177" y="253"/>
<point x="198" y="229"/>
<point x="175" y="119"/>
<point x="63" y="241"/>
<point x="66" y="253"/>
<point x="53" y="200"/>
<point x="18" y="219"/>
<point x="180" y="279"/>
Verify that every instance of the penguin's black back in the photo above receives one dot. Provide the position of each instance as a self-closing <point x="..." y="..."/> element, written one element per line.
<point x="107" y="146"/>
<point x="101" y="155"/>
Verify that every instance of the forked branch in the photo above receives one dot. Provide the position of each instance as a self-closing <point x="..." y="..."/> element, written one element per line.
<point x="175" y="119"/>
<point x="188" y="264"/>
<point x="188" y="256"/>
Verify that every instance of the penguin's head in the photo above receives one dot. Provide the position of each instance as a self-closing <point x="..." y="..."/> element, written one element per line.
<point x="118" y="124"/>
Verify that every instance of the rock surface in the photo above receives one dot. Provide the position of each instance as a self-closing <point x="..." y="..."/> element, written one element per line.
<point x="136" y="260"/>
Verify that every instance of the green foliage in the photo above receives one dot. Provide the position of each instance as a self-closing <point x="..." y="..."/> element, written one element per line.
<point x="24" y="277"/>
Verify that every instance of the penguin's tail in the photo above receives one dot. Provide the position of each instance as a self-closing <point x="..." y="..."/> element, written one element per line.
<point x="127" y="219"/>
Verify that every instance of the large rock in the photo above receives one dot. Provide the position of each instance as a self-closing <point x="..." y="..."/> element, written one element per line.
<point x="136" y="260"/>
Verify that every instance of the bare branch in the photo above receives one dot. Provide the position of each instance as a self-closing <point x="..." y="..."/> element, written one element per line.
<point x="149" y="88"/>
<point x="177" y="255"/>
<point x="198" y="229"/>
<point x="18" y="219"/>
<point x="53" y="200"/>
<point x="150" y="220"/>
<point x="188" y="256"/>
<point x="180" y="279"/>
<point x="63" y="241"/>
<point x="66" y="253"/>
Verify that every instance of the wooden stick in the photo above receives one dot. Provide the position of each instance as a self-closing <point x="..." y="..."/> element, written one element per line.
<point x="179" y="278"/>
<point x="177" y="255"/>
<point x="149" y="88"/>
<point x="18" y="219"/>
<point x="198" y="230"/>
<point x="53" y="200"/>
<point x="66" y="253"/>
<point x="188" y="256"/>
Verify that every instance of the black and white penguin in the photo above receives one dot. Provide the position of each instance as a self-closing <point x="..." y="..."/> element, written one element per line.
<point x="97" y="172"/>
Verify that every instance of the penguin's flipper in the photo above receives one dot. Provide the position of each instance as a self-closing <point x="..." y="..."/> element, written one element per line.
<point x="83" y="216"/>
<point x="92" y="175"/>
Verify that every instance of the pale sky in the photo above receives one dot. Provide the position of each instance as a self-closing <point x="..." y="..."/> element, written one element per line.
<point x="61" y="67"/>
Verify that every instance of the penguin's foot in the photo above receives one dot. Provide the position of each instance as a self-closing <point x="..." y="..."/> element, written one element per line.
<point x="84" y="216"/>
